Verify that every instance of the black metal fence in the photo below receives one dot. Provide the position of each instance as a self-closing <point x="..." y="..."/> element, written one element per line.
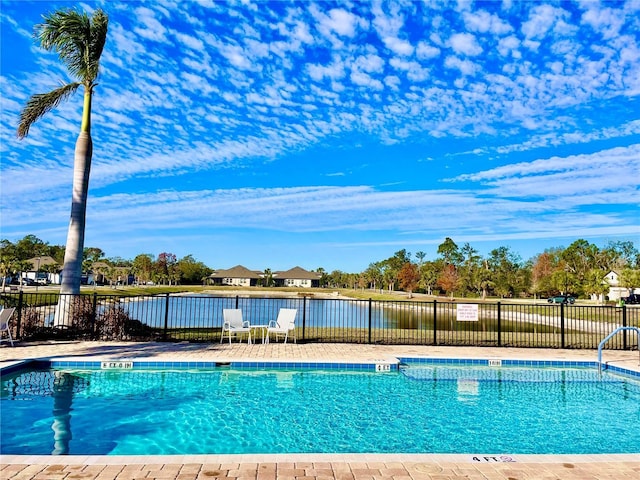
<point x="198" y="318"/>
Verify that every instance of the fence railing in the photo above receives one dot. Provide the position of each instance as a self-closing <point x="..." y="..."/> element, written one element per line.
<point x="198" y="318"/>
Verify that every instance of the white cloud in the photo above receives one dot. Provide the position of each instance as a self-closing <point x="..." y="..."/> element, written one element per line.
<point x="424" y="51"/>
<point x="483" y="22"/>
<point x="544" y="19"/>
<point x="466" y="44"/>
<point x="398" y="46"/>
<point x="150" y="28"/>
<point x="342" y="22"/>
<point x="466" y="67"/>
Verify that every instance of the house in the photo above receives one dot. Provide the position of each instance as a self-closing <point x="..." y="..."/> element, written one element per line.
<point x="237" y="276"/>
<point x="616" y="292"/>
<point x="44" y="269"/>
<point x="297" y="277"/>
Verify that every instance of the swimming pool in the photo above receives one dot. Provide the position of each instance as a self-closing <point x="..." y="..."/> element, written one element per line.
<point x="419" y="406"/>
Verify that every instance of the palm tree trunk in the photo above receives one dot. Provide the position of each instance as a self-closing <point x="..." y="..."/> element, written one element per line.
<point x="73" y="254"/>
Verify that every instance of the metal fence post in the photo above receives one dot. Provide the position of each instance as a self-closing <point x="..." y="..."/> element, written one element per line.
<point x="624" y="324"/>
<point x="562" y="343"/>
<point x="304" y="315"/>
<point x="19" y="322"/>
<point x="435" y="322"/>
<point x="370" y="317"/>
<point x="499" y="326"/>
<point x="166" y="318"/>
<point x="93" y="315"/>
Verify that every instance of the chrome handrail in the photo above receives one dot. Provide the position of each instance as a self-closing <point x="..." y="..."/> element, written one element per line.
<point x="608" y="337"/>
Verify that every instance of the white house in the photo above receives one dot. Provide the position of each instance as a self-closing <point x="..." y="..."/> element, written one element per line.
<point x="616" y="292"/>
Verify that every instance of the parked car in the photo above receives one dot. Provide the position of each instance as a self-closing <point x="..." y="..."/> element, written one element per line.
<point x="632" y="299"/>
<point x="29" y="282"/>
<point x="562" y="299"/>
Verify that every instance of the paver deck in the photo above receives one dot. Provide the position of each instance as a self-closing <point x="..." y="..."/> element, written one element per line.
<point x="309" y="466"/>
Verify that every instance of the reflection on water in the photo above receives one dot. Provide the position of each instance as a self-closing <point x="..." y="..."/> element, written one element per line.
<point x="63" y="387"/>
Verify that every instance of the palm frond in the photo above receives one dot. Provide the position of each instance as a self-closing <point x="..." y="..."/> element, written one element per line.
<point x="78" y="40"/>
<point x="41" y="103"/>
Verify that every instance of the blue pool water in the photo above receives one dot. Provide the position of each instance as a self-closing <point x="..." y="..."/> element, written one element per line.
<point x="421" y="408"/>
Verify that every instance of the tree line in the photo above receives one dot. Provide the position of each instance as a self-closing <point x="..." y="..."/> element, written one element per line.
<point x="460" y="271"/>
<point x="165" y="268"/>
<point x="579" y="269"/>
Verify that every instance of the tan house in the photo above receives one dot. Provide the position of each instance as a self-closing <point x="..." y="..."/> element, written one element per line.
<point x="237" y="276"/>
<point x="297" y="277"/>
<point x="44" y="269"/>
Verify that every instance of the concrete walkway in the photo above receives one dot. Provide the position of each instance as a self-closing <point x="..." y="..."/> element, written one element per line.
<point x="310" y="466"/>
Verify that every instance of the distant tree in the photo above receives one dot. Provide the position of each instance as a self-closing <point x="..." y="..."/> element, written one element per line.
<point x="267" y="278"/>
<point x="390" y="267"/>
<point x="420" y="256"/>
<point x="469" y="268"/>
<point x="619" y="255"/>
<point x="505" y="271"/>
<point x="56" y="252"/>
<point x="29" y="247"/>
<point x="8" y="260"/>
<point x="373" y="275"/>
<point x="363" y="281"/>
<point x="408" y="278"/>
<point x="630" y="279"/>
<point x="448" y="279"/>
<point x="542" y="274"/>
<point x="90" y="256"/>
<point x="165" y="268"/>
<point x="594" y="284"/>
<point x="429" y="273"/>
<point x="324" y="279"/>
<point x="579" y="258"/>
<point x="449" y="252"/>
<point x="482" y="279"/>
<point x="338" y="279"/>
<point x="143" y="267"/>
<point x="190" y="271"/>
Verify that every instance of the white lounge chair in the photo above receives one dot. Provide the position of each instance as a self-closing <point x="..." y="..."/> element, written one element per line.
<point x="283" y="325"/>
<point x="5" y="315"/>
<point x="233" y="324"/>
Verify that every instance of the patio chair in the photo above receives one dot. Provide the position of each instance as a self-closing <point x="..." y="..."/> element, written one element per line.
<point x="283" y="325"/>
<point x="233" y="324"/>
<point x="5" y="315"/>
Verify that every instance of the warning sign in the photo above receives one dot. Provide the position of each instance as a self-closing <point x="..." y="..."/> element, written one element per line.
<point x="467" y="312"/>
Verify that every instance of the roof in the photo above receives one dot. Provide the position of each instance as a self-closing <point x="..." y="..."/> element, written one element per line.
<point x="298" y="273"/>
<point x="42" y="261"/>
<point x="238" y="271"/>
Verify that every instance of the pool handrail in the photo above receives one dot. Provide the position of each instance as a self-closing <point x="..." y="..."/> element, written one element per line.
<point x="608" y="337"/>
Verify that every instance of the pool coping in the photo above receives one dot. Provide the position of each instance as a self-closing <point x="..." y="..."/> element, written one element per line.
<point x="393" y="361"/>
<point x="253" y="458"/>
<point x="378" y="365"/>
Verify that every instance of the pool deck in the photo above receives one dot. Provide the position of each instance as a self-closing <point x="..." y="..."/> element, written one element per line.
<point x="485" y="466"/>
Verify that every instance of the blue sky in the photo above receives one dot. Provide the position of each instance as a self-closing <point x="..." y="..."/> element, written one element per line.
<point x="333" y="134"/>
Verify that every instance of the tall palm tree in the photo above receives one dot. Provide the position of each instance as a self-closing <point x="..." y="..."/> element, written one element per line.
<point x="78" y="40"/>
